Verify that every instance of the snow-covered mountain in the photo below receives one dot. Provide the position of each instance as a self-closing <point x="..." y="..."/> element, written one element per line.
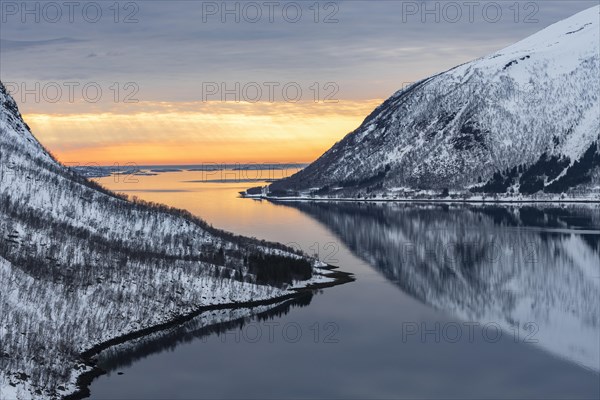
<point x="523" y="120"/>
<point x="81" y="266"/>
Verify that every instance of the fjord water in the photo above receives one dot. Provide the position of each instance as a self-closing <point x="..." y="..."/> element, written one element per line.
<point x="448" y="302"/>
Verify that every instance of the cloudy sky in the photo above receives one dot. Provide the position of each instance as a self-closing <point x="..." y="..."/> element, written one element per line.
<point x="235" y="81"/>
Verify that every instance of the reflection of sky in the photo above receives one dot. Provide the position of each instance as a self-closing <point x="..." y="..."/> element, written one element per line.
<point x="372" y="50"/>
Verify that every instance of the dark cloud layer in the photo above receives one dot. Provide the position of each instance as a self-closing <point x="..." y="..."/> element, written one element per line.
<point x="170" y="47"/>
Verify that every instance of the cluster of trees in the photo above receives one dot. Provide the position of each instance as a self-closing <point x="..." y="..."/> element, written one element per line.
<point x="580" y="173"/>
<point x="545" y="174"/>
<point x="368" y="181"/>
<point x="272" y="269"/>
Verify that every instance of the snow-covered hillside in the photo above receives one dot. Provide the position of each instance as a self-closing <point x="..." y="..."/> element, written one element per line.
<point x="523" y="120"/>
<point x="80" y="265"/>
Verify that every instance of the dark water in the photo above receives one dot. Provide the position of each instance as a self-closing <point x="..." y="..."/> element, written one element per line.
<point x="449" y="302"/>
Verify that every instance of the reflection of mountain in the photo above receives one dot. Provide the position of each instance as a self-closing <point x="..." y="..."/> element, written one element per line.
<point x="509" y="265"/>
<point x="206" y="323"/>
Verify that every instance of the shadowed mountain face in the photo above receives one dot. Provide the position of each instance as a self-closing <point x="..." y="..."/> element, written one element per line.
<point x="532" y="268"/>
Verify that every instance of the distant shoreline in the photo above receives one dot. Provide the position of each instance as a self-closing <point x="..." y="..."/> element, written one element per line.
<point x="423" y="200"/>
<point x="105" y="171"/>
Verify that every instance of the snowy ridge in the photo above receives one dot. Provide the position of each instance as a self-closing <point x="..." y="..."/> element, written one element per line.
<point x="16" y="130"/>
<point x="80" y="265"/>
<point x="524" y="120"/>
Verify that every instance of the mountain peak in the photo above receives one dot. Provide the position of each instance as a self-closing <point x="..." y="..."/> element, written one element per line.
<point x="531" y="107"/>
<point x="14" y="130"/>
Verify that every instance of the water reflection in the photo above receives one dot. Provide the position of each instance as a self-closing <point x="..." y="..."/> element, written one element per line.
<point x="531" y="268"/>
<point x="371" y="359"/>
<point x="208" y="323"/>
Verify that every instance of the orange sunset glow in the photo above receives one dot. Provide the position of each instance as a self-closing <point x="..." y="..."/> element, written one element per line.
<point x="189" y="133"/>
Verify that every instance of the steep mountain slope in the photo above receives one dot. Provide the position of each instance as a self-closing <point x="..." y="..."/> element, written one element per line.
<point x="523" y="120"/>
<point x="80" y="266"/>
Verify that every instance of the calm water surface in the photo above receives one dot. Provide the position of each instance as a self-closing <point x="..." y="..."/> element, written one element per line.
<point x="448" y="302"/>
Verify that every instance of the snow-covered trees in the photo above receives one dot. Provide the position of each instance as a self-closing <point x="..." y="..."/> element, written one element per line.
<point x="80" y="265"/>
